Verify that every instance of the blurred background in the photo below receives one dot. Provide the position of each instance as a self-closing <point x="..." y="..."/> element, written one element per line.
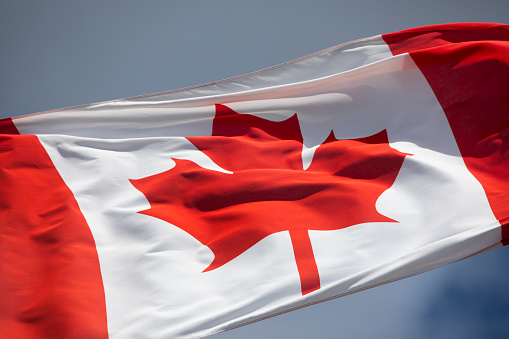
<point x="56" y="54"/>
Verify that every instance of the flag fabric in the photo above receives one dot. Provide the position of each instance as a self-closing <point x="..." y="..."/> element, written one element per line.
<point x="186" y="213"/>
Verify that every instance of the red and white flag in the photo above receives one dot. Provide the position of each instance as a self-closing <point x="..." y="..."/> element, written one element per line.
<point x="190" y="212"/>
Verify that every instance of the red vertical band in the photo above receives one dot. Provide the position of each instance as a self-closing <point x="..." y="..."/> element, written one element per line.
<point x="7" y="127"/>
<point x="51" y="285"/>
<point x="467" y="66"/>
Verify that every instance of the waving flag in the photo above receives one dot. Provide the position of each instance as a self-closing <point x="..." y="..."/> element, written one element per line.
<point x="190" y="212"/>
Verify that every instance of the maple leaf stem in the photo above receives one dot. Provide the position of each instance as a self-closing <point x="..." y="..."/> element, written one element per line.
<point x="305" y="259"/>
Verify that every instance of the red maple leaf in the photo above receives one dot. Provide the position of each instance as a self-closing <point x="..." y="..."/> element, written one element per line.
<point x="269" y="191"/>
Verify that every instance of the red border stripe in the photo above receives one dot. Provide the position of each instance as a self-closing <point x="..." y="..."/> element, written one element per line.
<point x="51" y="285"/>
<point x="7" y="127"/>
<point x="467" y="66"/>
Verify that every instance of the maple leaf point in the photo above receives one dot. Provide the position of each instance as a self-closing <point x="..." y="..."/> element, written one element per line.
<point x="269" y="191"/>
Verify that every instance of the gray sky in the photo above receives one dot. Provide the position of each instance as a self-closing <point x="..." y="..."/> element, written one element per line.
<point x="62" y="53"/>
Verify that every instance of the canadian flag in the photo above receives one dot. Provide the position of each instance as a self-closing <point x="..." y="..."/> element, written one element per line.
<point x="186" y="213"/>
